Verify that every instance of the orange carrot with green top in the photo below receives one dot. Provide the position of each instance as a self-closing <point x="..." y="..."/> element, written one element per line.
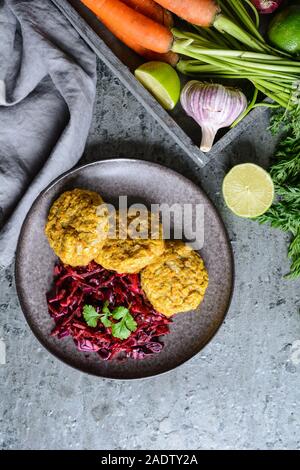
<point x="136" y="27"/>
<point x="152" y="10"/>
<point x="169" y="57"/>
<point x="198" y="12"/>
<point x="157" y="13"/>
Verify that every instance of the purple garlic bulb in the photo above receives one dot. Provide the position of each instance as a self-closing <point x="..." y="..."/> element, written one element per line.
<point x="212" y="106"/>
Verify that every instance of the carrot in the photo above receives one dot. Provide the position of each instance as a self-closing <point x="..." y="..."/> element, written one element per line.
<point x="152" y="10"/>
<point x="170" y="57"/>
<point x="198" y="12"/>
<point x="128" y="23"/>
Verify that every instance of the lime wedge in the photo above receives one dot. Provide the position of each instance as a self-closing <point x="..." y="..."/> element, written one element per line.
<point x="248" y="190"/>
<point x="162" y="81"/>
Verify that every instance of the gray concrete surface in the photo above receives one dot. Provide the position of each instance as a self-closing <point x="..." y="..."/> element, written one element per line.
<point x="241" y="392"/>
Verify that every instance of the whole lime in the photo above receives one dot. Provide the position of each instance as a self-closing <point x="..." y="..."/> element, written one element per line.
<point x="284" y="30"/>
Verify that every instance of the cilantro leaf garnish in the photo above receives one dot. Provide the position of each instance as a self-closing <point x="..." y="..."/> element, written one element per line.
<point x="121" y="329"/>
<point x="91" y="315"/>
<point x="106" y="313"/>
<point x="125" y="326"/>
<point x="105" y="308"/>
<point x="120" y="312"/>
<point x="105" y="321"/>
<point x="130" y="323"/>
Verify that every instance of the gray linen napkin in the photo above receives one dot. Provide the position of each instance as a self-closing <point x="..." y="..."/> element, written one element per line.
<point x="47" y="91"/>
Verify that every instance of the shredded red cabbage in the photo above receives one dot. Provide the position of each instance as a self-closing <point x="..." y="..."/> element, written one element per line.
<point x="93" y="285"/>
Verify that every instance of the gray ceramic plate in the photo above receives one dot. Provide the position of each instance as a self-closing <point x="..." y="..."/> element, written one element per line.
<point x="140" y="181"/>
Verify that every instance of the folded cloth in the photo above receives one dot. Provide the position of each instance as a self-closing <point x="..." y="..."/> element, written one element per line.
<point x="47" y="91"/>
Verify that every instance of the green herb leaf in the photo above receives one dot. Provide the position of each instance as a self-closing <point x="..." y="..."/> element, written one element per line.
<point x="91" y="315"/>
<point x="120" y="330"/>
<point x="105" y="320"/>
<point x="125" y="326"/>
<point x="106" y="314"/>
<point x="289" y="193"/>
<point x="105" y="308"/>
<point x="120" y="312"/>
<point x="130" y="322"/>
<point x="285" y="212"/>
<point x="294" y="248"/>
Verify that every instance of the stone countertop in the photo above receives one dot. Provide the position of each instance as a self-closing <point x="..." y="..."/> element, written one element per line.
<point x="241" y="392"/>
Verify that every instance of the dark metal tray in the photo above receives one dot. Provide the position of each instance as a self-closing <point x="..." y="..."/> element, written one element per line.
<point x="122" y="61"/>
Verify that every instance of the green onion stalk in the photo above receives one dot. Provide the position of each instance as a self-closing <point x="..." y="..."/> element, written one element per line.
<point x="234" y="49"/>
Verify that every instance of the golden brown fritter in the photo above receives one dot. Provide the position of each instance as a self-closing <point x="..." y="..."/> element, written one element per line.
<point x="75" y="230"/>
<point x="133" y="253"/>
<point x="176" y="282"/>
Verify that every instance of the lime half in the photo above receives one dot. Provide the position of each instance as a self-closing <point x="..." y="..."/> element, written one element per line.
<point x="248" y="190"/>
<point x="162" y="81"/>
